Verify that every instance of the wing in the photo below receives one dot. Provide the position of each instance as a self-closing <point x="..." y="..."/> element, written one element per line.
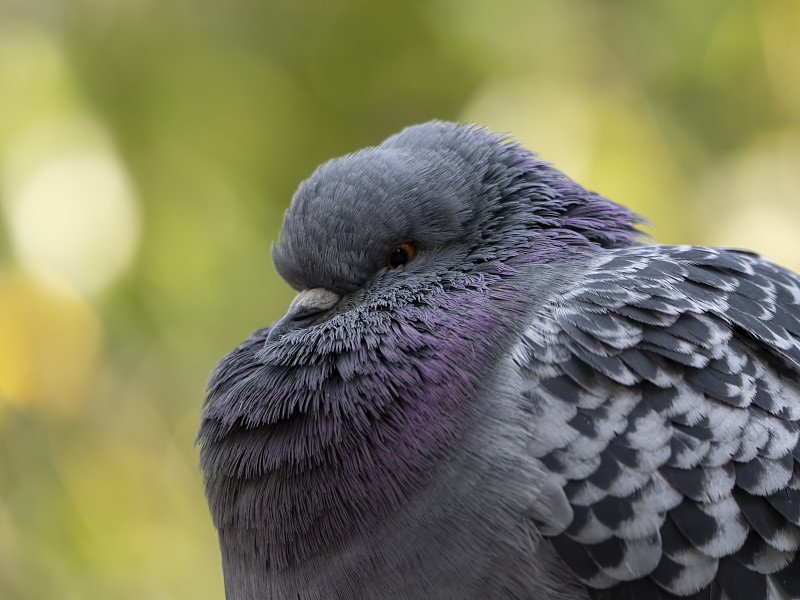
<point x="666" y="397"/>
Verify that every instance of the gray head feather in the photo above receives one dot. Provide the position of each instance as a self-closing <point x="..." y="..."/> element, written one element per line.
<point x="437" y="184"/>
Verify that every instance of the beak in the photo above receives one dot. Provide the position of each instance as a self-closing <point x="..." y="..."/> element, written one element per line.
<point x="305" y="306"/>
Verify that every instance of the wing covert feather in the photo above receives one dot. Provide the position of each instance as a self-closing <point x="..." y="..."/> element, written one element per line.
<point x="666" y="394"/>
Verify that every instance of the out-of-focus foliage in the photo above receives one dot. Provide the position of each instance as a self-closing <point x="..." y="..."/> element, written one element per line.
<point x="148" y="149"/>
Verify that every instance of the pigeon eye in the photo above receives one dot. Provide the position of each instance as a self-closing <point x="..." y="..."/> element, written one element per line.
<point x="400" y="255"/>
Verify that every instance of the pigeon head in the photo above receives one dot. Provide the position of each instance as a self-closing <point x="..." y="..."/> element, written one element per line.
<point x="346" y="219"/>
<point x="459" y="195"/>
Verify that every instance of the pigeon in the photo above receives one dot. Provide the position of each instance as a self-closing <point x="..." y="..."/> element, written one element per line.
<point x="491" y="385"/>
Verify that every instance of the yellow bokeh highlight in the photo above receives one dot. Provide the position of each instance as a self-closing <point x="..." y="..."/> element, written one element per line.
<point x="69" y="204"/>
<point x="779" y="22"/>
<point x="753" y="199"/>
<point x="598" y="139"/>
<point x="49" y="348"/>
<point x="555" y="120"/>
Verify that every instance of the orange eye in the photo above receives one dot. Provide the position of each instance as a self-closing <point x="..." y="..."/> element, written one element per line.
<point x="400" y="255"/>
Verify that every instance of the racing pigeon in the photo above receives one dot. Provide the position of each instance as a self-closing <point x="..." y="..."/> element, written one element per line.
<point x="489" y="387"/>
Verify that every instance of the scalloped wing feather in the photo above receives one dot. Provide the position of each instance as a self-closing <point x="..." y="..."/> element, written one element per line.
<point x="667" y="394"/>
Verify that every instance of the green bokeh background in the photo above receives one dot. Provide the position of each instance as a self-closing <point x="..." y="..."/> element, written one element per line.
<point x="147" y="152"/>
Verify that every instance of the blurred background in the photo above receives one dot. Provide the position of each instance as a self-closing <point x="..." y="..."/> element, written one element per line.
<point x="148" y="149"/>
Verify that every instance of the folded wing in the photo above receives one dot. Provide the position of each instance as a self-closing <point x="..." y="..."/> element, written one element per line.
<point x="664" y="394"/>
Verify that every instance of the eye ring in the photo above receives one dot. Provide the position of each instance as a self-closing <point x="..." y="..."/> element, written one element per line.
<point x="400" y="255"/>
